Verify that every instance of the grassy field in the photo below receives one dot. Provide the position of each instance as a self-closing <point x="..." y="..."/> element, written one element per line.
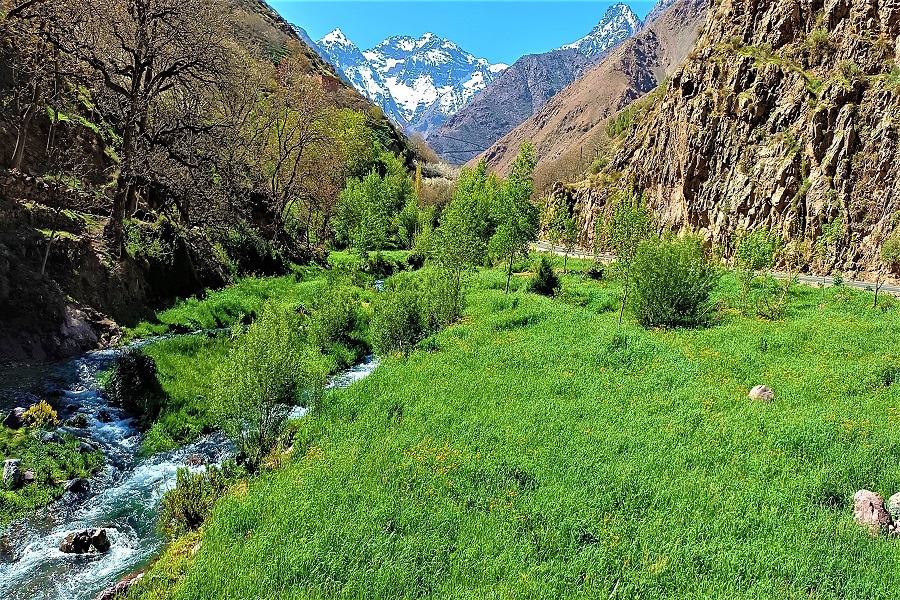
<point x="539" y="452"/>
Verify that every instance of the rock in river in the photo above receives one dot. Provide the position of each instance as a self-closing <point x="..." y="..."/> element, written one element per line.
<point x="77" y="485"/>
<point x="86" y="541"/>
<point x="14" y="419"/>
<point x="121" y="588"/>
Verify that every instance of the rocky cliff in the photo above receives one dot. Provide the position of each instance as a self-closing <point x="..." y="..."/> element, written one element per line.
<point x="568" y="129"/>
<point x="786" y="115"/>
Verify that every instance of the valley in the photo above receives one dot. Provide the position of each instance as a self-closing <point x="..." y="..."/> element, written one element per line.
<point x="284" y="316"/>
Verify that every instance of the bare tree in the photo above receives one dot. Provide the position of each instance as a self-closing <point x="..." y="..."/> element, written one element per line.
<point x="146" y="57"/>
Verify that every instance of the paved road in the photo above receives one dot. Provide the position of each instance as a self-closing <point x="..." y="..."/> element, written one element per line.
<point x="804" y="279"/>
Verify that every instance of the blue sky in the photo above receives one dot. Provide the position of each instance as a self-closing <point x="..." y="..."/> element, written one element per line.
<point x="500" y="31"/>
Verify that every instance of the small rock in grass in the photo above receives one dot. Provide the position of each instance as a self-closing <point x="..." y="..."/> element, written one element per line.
<point x="869" y="511"/>
<point x="85" y="448"/>
<point x="12" y="474"/>
<point x="762" y="392"/>
<point x="14" y="419"/>
<point x="28" y="477"/>
<point x="894" y="507"/>
<point x="49" y="437"/>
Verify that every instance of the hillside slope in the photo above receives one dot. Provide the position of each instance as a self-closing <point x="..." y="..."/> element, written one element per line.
<point x="525" y="86"/>
<point x="784" y="116"/>
<point x="566" y="131"/>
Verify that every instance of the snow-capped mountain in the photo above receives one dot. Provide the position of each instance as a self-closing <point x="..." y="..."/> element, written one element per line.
<point x="419" y="83"/>
<point x="617" y="25"/>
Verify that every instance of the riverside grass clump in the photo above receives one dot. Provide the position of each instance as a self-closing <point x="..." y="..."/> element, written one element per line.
<point x="538" y="450"/>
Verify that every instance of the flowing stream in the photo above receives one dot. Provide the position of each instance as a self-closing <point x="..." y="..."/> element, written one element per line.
<point x="123" y="498"/>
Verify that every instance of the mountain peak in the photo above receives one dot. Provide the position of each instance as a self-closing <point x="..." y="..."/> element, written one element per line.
<point x="618" y="24"/>
<point x="336" y="39"/>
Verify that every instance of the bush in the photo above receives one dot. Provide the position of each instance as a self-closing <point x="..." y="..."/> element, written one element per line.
<point x="268" y="371"/>
<point x="185" y="507"/>
<point x="133" y="384"/>
<point x="545" y="282"/>
<point x="338" y="320"/>
<point x="380" y="267"/>
<point x="398" y="323"/>
<point x="672" y="281"/>
<point x="40" y="415"/>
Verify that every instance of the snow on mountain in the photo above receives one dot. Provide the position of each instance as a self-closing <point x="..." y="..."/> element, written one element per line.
<point x="617" y="25"/>
<point x="417" y="82"/>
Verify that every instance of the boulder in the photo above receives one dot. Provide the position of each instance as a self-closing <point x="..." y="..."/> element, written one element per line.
<point x="79" y="421"/>
<point x="869" y="511"/>
<point x="14" y="419"/>
<point x="12" y="474"/>
<point x="894" y="507"/>
<point x="762" y="392"/>
<point x="49" y="437"/>
<point x="88" y="540"/>
<point x="77" y="485"/>
<point x="121" y="588"/>
<point x="104" y="416"/>
<point x="28" y="477"/>
<point x="85" y="448"/>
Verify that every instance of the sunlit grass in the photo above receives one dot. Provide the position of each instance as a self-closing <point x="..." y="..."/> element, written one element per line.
<point x="541" y="452"/>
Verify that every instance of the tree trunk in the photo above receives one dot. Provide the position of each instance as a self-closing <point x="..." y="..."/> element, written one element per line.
<point x="47" y="252"/>
<point x="19" y="152"/>
<point x="624" y="296"/>
<point x="509" y="273"/>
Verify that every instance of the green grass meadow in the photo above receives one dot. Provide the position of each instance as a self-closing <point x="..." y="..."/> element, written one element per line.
<point x="537" y="451"/>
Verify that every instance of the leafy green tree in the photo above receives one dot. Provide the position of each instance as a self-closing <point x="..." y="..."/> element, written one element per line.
<point x="626" y="229"/>
<point x="398" y="324"/>
<point x="268" y="370"/>
<point x="516" y="218"/>
<point x="672" y="282"/>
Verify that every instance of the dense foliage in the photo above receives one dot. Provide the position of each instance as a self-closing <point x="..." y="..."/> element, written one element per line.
<point x="133" y="385"/>
<point x="672" y="283"/>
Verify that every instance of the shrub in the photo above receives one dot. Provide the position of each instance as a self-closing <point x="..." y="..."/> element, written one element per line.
<point x="185" y="507"/>
<point x="133" y="384"/>
<point x="338" y="323"/>
<point x="545" y="282"/>
<point x="398" y="323"/>
<point x="268" y="370"/>
<point x="672" y="283"/>
<point x="379" y="266"/>
<point x="40" y="415"/>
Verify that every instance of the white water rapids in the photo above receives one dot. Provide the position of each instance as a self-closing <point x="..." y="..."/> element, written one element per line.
<point x="124" y="498"/>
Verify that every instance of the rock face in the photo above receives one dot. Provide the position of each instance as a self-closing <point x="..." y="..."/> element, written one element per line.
<point x="566" y="130"/>
<point x="12" y="473"/>
<point x="525" y="86"/>
<point x="762" y="392"/>
<point x="14" y="419"/>
<point x="783" y="116"/>
<point x="82" y="542"/>
<point x="77" y="485"/>
<point x="869" y="511"/>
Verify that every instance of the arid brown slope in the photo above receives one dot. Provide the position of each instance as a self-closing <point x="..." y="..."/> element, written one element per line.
<point x="568" y="128"/>
<point x="785" y="116"/>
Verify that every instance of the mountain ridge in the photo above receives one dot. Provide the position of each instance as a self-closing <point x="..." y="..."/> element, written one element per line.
<point x="524" y="87"/>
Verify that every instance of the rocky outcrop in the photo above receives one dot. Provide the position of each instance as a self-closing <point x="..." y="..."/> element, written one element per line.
<point x="783" y="116"/>
<point x="869" y="511"/>
<point x="15" y="420"/>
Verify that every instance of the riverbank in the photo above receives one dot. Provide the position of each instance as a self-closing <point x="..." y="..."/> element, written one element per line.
<point x="537" y="450"/>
